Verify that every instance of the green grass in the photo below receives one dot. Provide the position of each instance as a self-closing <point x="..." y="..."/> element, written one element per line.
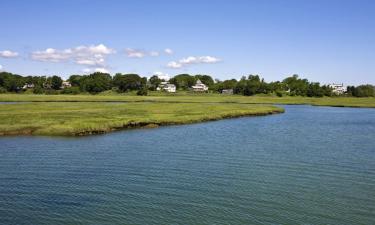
<point x="84" y="118"/>
<point x="90" y="114"/>
<point x="194" y="98"/>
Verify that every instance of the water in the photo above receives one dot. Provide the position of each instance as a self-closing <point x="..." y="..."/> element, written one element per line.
<point x="311" y="165"/>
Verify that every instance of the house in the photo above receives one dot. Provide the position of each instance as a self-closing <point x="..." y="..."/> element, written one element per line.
<point x="199" y="86"/>
<point x="66" y="84"/>
<point x="338" y="89"/>
<point x="170" y="88"/>
<point x="227" y="91"/>
<point x="166" y="86"/>
<point x="27" y="86"/>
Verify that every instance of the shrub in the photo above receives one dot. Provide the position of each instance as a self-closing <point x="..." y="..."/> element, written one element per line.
<point x="38" y="90"/>
<point x="71" y="90"/>
<point x="142" y="91"/>
<point x="279" y="94"/>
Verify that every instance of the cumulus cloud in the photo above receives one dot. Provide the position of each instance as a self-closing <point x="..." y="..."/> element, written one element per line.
<point x="134" y="53"/>
<point x="174" y="65"/>
<point x="93" y="55"/>
<point x="98" y="69"/>
<point x="8" y="54"/>
<point x="163" y="76"/>
<point x="192" y="60"/>
<point x="101" y="70"/>
<point x="168" y="51"/>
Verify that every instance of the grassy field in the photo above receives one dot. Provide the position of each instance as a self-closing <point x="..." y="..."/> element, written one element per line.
<point x="91" y="114"/>
<point x="84" y="118"/>
<point x="194" y="98"/>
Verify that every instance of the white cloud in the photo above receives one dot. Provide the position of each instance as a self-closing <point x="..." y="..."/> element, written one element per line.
<point x="192" y="60"/>
<point x="168" y="51"/>
<point x="101" y="70"/>
<point x="174" y="65"/>
<point x="154" y="53"/>
<point x="1" y="67"/>
<point x="137" y="53"/>
<point x="134" y="53"/>
<point x="8" y="54"/>
<point x="163" y="76"/>
<point x="93" y="55"/>
<point x="98" y="69"/>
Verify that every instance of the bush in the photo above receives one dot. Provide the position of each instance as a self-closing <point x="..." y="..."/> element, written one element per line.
<point x="2" y="90"/>
<point x="71" y="90"/>
<point x="38" y="90"/>
<point x="142" y="91"/>
<point x="51" y="92"/>
<point x="279" y="94"/>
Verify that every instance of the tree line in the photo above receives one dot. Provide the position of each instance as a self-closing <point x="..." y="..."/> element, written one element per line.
<point x="99" y="82"/>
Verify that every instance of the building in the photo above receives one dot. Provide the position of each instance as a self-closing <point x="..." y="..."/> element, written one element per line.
<point x="338" y="89"/>
<point x="199" y="86"/>
<point x="27" y="86"/>
<point x="170" y="88"/>
<point x="227" y="91"/>
<point x="166" y="86"/>
<point x="66" y="84"/>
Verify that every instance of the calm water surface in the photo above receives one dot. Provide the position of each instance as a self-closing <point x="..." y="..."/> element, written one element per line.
<point x="311" y="165"/>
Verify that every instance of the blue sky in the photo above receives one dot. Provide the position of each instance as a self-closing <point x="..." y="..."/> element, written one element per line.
<point x="326" y="41"/>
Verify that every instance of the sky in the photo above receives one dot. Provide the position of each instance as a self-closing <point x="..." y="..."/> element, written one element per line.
<point x="330" y="41"/>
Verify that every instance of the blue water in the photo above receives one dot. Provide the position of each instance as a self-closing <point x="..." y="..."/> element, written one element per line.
<point x="310" y="165"/>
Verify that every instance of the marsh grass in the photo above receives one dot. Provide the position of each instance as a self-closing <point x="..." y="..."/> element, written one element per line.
<point x="193" y="98"/>
<point x="84" y="118"/>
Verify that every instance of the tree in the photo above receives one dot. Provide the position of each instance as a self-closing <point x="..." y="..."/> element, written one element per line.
<point x="183" y="81"/>
<point x="154" y="82"/>
<point x="128" y="82"/>
<point x="96" y="82"/>
<point x="75" y="80"/>
<point x="365" y="91"/>
<point x="206" y="79"/>
<point x="296" y="86"/>
<point x="56" y="82"/>
<point x="314" y="90"/>
<point x="11" y="82"/>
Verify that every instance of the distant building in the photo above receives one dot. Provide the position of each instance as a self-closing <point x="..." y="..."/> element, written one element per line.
<point x="199" y="86"/>
<point x="66" y="84"/>
<point x="170" y="88"/>
<point x="227" y="91"/>
<point x="27" y="86"/>
<point x="338" y="89"/>
<point x="166" y="86"/>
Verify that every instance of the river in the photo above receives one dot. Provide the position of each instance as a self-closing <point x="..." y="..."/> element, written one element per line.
<point x="310" y="165"/>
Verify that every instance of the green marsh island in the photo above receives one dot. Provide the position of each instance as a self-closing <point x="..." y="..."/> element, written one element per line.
<point x="73" y="115"/>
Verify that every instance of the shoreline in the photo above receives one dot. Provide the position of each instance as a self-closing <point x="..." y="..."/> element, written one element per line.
<point x="152" y="125"/>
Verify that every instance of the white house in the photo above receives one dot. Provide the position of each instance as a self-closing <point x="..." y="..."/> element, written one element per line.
<point x="170" y="88"/>
<point x="227" y="91"/>
<point x="27" y="86"/>
<point x="199" y="86"/>
<point x="66" y="84"/>
<point x="166" y="86"/>
<point x="338" y="89"/>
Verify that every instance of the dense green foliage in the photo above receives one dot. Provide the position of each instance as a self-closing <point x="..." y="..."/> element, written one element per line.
<point x="100" y="82"/>
<point x="361" y="91"/>
<point x="129" y="82"/>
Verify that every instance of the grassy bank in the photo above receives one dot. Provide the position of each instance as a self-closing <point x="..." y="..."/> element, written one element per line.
<point x="84" y="118"/>
<point x="194" y="98"/>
